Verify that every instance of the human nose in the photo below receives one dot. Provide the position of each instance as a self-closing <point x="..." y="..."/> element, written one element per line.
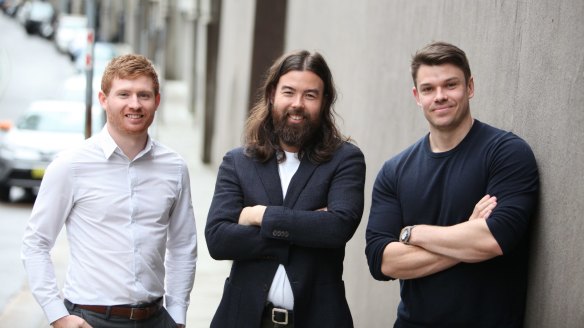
<point x="134" y="101"/>
<point x="440" y="95"/>
<point x="298" y="102"/>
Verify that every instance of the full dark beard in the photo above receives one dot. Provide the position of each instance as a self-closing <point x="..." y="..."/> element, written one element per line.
<point x="292" y="135"/>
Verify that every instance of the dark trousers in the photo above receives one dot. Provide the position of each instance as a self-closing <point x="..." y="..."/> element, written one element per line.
<point x="267" y="323"/>
<point x="161" y="319"/>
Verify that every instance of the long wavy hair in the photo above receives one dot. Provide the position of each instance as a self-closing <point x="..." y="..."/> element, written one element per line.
<point x="260" y="140"/>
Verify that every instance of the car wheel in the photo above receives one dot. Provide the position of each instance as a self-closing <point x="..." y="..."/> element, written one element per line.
<point x="4" y="192"/>
<point x="29" y="30"/>
<point x="29" y="194"/>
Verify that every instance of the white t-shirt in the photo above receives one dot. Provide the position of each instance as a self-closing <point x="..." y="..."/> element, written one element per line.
<point x="281" y="291"/>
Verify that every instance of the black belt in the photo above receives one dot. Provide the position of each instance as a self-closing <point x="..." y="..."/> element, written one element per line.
<point x="279" y="316"/>
<point x="132" y="312"/>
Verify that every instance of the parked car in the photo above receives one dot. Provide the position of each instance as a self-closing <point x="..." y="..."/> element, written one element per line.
<point x="103" y="52"/>
<point x="39" y="18"/>
<point x="74" y="87"/>
<point x="45" y="129"/>
<point x="69" y="28"/>
<point x="11" y="7"/>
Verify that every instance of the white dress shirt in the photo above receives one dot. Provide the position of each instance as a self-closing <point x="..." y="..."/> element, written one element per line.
<point x="128" y="223"/>
<point x="280" y="293"/>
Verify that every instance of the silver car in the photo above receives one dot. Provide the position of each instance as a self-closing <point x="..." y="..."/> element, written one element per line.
<point x="45" y="129"/>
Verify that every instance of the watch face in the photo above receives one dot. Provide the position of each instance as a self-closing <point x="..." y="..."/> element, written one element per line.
<point x="404" y="235"/>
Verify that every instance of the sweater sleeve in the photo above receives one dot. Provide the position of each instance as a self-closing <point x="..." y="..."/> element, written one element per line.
<point x="514" y="180"/>
<point x="384" y="221"/>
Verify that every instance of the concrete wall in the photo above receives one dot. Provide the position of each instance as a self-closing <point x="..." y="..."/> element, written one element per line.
<point x="234" y="71"/>
<point x="528" y="62"/>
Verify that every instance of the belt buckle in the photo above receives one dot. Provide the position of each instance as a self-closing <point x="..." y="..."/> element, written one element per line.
<point x="276" y="311"/>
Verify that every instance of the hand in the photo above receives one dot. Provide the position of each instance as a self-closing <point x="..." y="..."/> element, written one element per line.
<point x="324" y="209"/>
<point x="252" y="215"/>
<point x="70" y="321"/>
<point x="483" y="208"/>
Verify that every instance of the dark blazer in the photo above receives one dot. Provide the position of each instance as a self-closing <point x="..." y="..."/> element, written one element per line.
<point x="310" y="244"/>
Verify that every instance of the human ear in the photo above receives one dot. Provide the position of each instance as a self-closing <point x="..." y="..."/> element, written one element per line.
<point x="416" y="96"/>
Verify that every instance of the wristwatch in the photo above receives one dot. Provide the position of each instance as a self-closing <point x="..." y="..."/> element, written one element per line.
<point x="406" y="234"/>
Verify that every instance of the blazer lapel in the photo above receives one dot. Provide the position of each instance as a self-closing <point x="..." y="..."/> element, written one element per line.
<point x="270" y="178"/>
<point x="298" y="182"/>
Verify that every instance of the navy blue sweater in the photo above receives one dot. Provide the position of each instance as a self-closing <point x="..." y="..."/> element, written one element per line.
<point x="421" y="187"/>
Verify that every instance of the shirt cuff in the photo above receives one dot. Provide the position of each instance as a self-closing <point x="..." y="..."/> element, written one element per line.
<point x="177" y="313"/>
<point x="55" y="310"/>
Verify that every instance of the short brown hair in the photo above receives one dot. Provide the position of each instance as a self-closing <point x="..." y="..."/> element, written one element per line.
<point x="130" y="66"/>
<point x="438" y="53"/>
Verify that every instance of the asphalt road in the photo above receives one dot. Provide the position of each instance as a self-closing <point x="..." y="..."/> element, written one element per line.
<point x="30" y="69"/>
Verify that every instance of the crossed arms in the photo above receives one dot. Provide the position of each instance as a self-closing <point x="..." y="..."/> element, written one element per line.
<point x="244" y="225"/>
<point x="432" y="249"/>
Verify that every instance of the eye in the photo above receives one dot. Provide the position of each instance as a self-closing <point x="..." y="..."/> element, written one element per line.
<point x="310" y="96"/>
<point x="145" y="96"/>
<point x="425" y="90"/>
<point x="451" y="85"/>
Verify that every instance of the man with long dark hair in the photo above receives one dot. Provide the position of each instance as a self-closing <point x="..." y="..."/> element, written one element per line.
<point x="286" y="203"/>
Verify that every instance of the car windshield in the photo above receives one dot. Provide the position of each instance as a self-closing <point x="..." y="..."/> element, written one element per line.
<point x="53" y="121"/>
<point x="73" y="22"/>
<point x="41" y="11"/>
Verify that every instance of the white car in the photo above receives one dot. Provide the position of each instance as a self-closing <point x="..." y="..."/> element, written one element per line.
<point x="69" y="28"/>
<point x="45" y="129"/>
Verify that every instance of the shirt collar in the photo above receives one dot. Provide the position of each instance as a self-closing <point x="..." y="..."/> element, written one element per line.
<point x="109" y="146"/>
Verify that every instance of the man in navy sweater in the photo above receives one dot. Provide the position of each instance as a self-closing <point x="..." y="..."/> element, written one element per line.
<point x="450" y="214"/>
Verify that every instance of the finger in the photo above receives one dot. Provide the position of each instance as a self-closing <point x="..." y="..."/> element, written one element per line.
<point x="489" y="204"/>
<point x="485" y="215"/>
<point x="484" y="200"/>
<point x="482" y="203"/>
<point x="485" y="197"/>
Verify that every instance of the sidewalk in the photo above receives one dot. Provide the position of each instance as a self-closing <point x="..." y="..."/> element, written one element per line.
<point x="176" y="128"/>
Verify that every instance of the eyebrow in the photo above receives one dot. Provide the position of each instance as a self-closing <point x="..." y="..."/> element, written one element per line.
<point x="287" y="87"/>
<point x="451" y="79"/>
<point x="135" y="91"/>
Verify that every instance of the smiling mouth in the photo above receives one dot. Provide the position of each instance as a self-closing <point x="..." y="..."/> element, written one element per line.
<point x="440" y="109"/>
<point x="296" y="117"/>
<point x="134" y="116"/>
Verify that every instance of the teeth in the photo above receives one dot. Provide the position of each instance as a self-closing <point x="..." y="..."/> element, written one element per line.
<point x="296" y="117"/>
<point x="134" y="115"/>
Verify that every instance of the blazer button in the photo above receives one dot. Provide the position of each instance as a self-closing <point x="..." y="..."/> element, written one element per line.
<point x="265" y="288"/>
